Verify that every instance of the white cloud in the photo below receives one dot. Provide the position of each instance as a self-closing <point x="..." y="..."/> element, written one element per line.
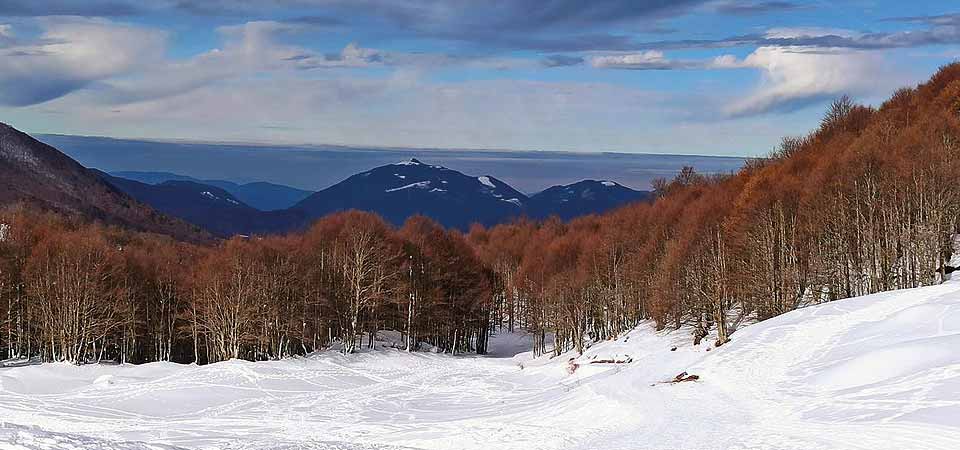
<point x="648" y="60"/>
<point x="791" y="76"/>
<point x="96" y="49"/>
<point x="125" y="63"/>
<point x="800" y="32"/>
<point x="657" y="60"/>
<point x="796" y="76"/>
<point x="256" y="50"/>
<point x="256" y="46"/>
<point x="6" y="35"/>
<point x="249" y="50"/>
<point x="395" y="111"/>
<point x="71" y="54"/>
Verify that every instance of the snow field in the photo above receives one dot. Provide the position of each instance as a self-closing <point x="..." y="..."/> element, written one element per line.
<point x="875" y="372"/>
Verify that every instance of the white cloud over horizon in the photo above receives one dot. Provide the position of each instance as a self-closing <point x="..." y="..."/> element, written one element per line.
<point x="263" y="80"/>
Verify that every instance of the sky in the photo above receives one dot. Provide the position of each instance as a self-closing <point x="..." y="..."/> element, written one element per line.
<point x="710" y="77"/>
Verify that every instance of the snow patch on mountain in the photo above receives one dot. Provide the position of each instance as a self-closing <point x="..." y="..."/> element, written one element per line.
<point x="418" y="185"/>
<point x="485" y="180"/>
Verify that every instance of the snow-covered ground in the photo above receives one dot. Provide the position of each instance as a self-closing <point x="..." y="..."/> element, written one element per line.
<point x="875" y="372"/>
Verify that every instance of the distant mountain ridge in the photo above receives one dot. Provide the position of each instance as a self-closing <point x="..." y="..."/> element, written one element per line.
<point x="314" y="167"/>
<point x="260" y="195"/>
<point x="36" y="173"/>
<point x="210" y="207"/>
<point x="394" y="191"/>
<point x="400" y="190"/>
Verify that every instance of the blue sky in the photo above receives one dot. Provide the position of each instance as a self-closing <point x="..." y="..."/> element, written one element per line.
<point x="716" y="77"/>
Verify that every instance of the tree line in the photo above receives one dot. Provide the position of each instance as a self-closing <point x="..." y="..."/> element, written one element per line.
<point x="79" y="292"/>
<point x="867" y="202"/>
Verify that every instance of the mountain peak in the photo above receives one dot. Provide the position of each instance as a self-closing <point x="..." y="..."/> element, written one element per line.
<point x="409" y="162"/>
<point x="581" y="198"/>
<point x="400" y="190"/>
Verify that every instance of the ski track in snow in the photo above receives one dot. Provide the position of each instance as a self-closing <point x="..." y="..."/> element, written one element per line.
<point x="875" y="372"/>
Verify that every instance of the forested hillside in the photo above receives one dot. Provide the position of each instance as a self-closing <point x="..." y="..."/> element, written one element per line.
<point x="867" y="202"/>
<point x="36" y="174"/>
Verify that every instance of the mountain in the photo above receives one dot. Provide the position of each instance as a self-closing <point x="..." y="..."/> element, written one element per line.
<point x="36" y="173"/>
<point x="263" y="195"/>
<point x="395" y="191"/>
<point x="260" y="195"/>
<point x="151" y="177"/>
<point x="398" y="191"/>
<point x="210" y="207"/>
<point x="582" y="198"/>
<point x="39" y="175"/>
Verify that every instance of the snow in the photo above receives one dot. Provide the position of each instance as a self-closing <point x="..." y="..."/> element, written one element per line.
<point x="485" y="180"/>
<point x="409" y="162"/>
<point x="418" y="185"/>
<point x="608" y="183"/>
<point x="955" y="258"/>
<point x="13" y="437"/>
<point x="208" y="194"/>
<point x="515" y="201"/>
<point x="4" y="229"/>
<point x="876" y="372"/>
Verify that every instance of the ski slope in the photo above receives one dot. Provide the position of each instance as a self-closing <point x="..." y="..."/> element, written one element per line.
<point x="875" y="372"/>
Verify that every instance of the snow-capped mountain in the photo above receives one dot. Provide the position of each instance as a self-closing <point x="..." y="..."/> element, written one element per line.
<point x="398" y="191"/>
<point x="582" y="198"/>
<point x="395" y="191"/>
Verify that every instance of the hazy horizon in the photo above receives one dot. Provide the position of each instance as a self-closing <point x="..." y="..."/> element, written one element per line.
<point x="317" y="167"/>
